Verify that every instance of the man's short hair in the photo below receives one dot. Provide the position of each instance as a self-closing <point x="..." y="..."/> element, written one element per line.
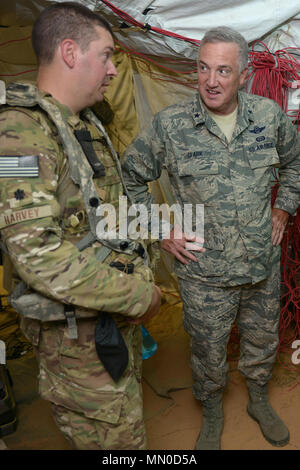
<point x="225" y="34"/>
<point x="66" y="20"/>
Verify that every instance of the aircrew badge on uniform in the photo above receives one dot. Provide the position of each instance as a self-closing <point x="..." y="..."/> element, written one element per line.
<point x="257" y="130"/>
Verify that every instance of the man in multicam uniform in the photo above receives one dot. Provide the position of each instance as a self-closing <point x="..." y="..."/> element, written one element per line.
<point x="43" y="216"/>
<point x="220" y="150"/>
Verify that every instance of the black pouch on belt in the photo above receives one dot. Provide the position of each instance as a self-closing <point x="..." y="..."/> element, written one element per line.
<point x="110" y="346"/>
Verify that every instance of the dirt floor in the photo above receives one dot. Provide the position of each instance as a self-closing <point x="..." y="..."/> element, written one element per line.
<point x="173" y="417"/>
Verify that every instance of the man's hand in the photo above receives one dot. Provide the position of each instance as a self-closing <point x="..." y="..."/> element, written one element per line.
<point x="152" y="310"/>
<point x="279" y="221"/>
<point x="179" y="245"/>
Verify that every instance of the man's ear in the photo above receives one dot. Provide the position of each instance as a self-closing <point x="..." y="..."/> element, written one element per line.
<point x="68" y="50"/>
<point x="243" y="76"/>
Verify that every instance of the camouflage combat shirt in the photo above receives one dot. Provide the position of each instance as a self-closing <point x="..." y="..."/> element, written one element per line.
<point x="43" y="216"/>
<point x="231" y="179"/>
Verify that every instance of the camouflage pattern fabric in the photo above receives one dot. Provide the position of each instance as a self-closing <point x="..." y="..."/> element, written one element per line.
<point x="42" y="217"/>
<point x="90" y="409"/>
<point x="208" y="317"/>
<point x="231" y="179"/>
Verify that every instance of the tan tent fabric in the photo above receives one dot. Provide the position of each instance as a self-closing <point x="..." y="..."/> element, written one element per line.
<point x="120" y="96"/>
<point x="17" y="59"/>
<point x="2" y="290"/>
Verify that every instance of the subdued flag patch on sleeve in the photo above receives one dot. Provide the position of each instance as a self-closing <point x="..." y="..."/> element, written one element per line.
<point x="14" y="166"/>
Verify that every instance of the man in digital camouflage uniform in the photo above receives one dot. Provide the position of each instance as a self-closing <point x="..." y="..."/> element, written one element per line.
<point x="49" y="197"/>
<point x="220" y="150"/>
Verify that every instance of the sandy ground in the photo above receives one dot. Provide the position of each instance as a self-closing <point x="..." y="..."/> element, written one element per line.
<point x="173" y="417"/>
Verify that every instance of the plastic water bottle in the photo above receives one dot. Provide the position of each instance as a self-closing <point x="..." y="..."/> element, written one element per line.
<point x="149" y="346"/>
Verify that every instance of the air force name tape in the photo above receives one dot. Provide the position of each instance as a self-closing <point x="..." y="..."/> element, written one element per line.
<point x="14" y="166"/>
<point x="15" y="217"/>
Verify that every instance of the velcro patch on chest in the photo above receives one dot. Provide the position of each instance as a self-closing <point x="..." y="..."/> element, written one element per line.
<point x="16" y="166"/>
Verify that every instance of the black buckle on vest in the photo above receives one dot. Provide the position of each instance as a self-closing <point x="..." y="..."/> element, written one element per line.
<point x="125" y="268"/>
<point x="85" y="139"/>
<point x="140" y="250"/>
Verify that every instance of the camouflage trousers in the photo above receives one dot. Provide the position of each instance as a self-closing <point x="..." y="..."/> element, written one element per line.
<point x="208" y="316"/>
<point x="91" y="410"/>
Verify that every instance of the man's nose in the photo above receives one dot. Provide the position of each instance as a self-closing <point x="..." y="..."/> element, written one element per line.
<point x="212" y="78"/>
<point x="112" y="71"/>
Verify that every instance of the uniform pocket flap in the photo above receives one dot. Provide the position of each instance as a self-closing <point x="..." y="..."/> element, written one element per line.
<point x="213" y="233"/>
<point x="95" y="404"/>
<point x="102" y="406"/>
<point x="260" y="160"/>
<point x="198" y="167"/>
<point x="213" y="244"/>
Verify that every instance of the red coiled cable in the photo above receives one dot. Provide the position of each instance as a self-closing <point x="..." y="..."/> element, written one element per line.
<point x="274" y="74"/>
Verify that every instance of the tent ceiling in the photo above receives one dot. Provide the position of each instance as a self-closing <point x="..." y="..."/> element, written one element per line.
<point x="255" y="19"/>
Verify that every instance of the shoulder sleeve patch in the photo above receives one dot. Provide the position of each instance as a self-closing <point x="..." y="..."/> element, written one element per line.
<point x="14" y="166"/>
